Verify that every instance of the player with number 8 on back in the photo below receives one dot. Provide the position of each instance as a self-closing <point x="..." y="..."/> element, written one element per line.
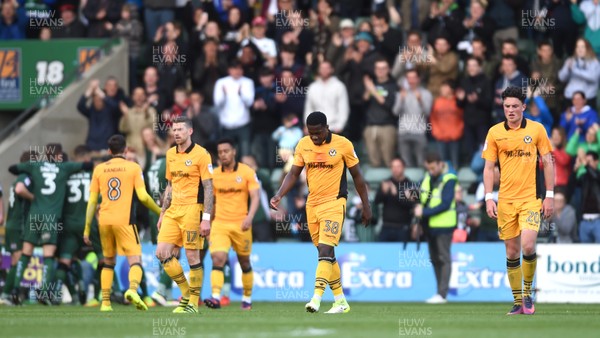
<point x="115" y="181"/>
<point x="49" y="176"/>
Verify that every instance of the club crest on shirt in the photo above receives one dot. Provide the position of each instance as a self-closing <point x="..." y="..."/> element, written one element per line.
<point x="527" y="139"/>
<point x="188" y="163"/>
<point x="332" y="152"/>
<point x="238" y="179"/>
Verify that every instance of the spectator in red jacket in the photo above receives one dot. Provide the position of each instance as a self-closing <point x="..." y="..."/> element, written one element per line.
<point x="562" y="160"/>
<point x="447" y="123"/>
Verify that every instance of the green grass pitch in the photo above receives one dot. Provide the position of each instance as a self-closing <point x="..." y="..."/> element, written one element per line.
<point x="365" y="320"/>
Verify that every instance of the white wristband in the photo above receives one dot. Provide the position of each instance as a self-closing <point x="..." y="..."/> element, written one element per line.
<point x="489" y="196"/>
<point x="549" y="194"/>
<point x="205" y="217"/>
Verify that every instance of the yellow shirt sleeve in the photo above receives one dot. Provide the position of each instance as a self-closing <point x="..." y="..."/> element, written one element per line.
<point x="206" y="168"/>
<point x="350" y="157"/>
<point x="298" y="158"/>
<point x="543" y="142"/>
<point x="490" y="149"/>
<point x="252" y="180"/>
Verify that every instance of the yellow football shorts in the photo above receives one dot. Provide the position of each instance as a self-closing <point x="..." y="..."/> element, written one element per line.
<point x="181" y="226"/>
<point x="325" y="221"/>
<point x="224" y="235"/>
<point x="120" y="239"/>
<point x="513" y="217"/>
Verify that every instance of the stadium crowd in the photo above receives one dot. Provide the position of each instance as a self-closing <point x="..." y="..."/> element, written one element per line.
<point x="397" y="78"/>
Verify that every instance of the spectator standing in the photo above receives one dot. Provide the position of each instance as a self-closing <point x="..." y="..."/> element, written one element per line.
<point x="565" y="31"/>
<point x="327" y="94"/>
<point x="443" y="65"/>
<point x="287" y="136"/>
<point x="130" y="29"/>
<point x="589" y="180"/>
<point x="588" y="13"/>
<point x="474" y="96"/>
<point x="290" y="94"/>
<point x="562" y="160"/>
<point x="233" y="97"/>
<point x="102" y="114"/>
<point x="545" y="66"/>
<point x="102" y="15"/>
<point x="387" y="39"/>
<point x="71" y="25"/>
<point x="581" y="72"/>
<point x="510" y="76"/>
<point x="265" y="119"/>
<point x="208" y="68"/>
<point x="578" y="116"/>
<point x="447" y="124"/>
<point x="156" y="14"/>
<point x="397" y="195"/>
<point x="564" y="220"/>
<point x="537" y="110"/>
<point x="437" y="211"/>
<point x="380" y="132"/>
<point x="445" y="18"/>
<point x="476" y="24"/>
<point x="135" y="119"/>
<point x="413" y="12"/>
<point x="13" y="21"/>
<point x="413" y="107"/>
<point x="204" y="121"/>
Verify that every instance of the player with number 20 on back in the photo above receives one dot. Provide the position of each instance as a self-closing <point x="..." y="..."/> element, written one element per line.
<point x="115" y="181"/>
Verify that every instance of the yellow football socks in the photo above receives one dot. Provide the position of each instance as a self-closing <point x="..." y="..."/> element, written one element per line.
<point x="174" y="270"/>
<point x="324" y="272"/>
<point x="106" y="280"/>
<point x="335" y="281"/>
<point x="529" y="265"/>
<point x="135" y="276"/>
<point x="247" y="282"/>
<point x="216" y="280"/>
<point x="515" y="278"/>
<point x="196" y="276"/>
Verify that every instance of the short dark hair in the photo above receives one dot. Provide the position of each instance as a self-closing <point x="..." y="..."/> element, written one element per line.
<point x="413" y="70"/>
<point x="26" y="156"/>
<point x="316" y="118"/>
<point x="510" y="41"/>
<point x="593" y="154"/>
<point x="398" y="158"/>
<point x="414" y="32"/>
<point x="183" y="119"/>
<point x="265" y="71"/>
<point x="235" y="63"/>
<point x="211" y="40"/>
<point x="382" y="14"/>
<point x="580" y="93"/>
<point x="478" y="39"/>
<point x="544" y="43"/>
<point x="433" y="157"/>
<point x="117" y="144"/>
<point x="449" y="82"/>
<point x="478" y="60"/>
<point x="509" y="57"/>
<point x="288" y="47"/>
<point x="226" y="140"/>
<point x="512" y="91"/>
<point x="81" y="150"/>
<point x="53" y="149"/>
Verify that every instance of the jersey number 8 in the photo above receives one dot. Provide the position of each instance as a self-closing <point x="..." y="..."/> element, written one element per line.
<point x="114" y="191"/>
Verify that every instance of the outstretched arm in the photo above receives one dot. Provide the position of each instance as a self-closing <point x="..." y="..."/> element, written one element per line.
<point x="288" y="182"/>
<point x="147" y="200"/>
<point x="363" y="192"/>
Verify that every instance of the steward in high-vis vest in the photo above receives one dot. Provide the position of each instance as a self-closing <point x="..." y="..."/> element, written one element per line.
<point x="438" y="212"/>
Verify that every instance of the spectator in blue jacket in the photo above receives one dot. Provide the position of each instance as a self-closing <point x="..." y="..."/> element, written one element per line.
<point x="538" y="111"/>
<point x="101" y="114"/>
<point x="579" y="115"/>
<point x="13" y="22"/>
